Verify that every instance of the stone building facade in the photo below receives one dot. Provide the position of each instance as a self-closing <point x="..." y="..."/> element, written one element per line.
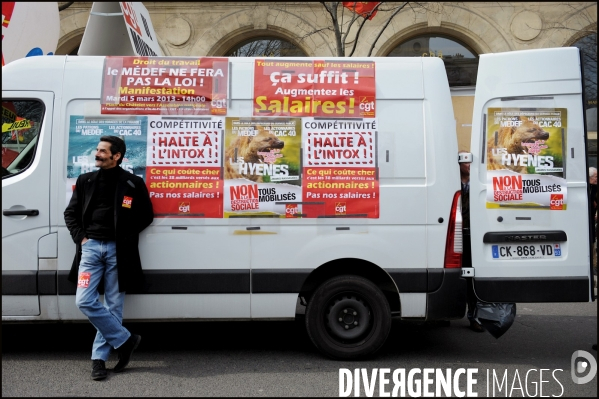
<point x="461" y="31"/>
<point x="213" y="28"/>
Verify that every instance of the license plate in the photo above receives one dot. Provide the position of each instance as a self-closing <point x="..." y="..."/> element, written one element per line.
<point x="526" y="251"/>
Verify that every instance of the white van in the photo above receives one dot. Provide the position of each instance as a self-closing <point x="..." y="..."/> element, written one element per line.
<point x="352" y="211"/>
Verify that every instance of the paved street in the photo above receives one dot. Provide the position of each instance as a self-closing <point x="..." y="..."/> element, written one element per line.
<point x="277" y="358"/>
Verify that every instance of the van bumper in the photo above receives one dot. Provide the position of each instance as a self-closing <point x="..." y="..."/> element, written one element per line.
<point x="449" y="300"/>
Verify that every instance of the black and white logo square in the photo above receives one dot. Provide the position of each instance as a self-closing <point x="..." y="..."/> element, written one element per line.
<point x="583" y="367"/>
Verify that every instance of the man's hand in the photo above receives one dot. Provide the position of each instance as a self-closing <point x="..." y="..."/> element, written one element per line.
<point x="84" y="240"/>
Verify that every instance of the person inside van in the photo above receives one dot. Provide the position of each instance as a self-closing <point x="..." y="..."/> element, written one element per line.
<point x="466" y="258"/>
<point x="108" y="210"/>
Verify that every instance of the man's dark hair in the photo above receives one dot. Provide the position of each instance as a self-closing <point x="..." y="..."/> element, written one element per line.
<point x="117" y="144"/>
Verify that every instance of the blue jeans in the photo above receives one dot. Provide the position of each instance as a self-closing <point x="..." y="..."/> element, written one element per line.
<point x="98" y="259"/>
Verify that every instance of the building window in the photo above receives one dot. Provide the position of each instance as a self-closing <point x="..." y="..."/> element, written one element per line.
<point x="265" y="47"/>
<point x="588" y="45"/>
<point x="461" y="63"/>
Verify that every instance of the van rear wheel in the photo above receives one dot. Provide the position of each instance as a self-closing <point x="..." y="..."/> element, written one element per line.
<point x="348" y="317"/>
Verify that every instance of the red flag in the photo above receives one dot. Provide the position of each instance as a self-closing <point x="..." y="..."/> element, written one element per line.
<point x="7" y="9"/>
<point x="363" y="8"/>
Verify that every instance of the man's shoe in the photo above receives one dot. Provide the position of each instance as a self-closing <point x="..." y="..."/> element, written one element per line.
<point x="125" y="351"/>
<point x="476" y="327"/>
<point x="98" y="370"/>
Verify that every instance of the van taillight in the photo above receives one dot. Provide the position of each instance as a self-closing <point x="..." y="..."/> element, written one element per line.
<point x="454" y="243"/>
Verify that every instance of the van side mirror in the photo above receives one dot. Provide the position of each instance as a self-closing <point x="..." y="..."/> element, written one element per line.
<point x="465" y="157"/>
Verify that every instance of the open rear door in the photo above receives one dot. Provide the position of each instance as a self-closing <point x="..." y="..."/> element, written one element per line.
<point x="530" y="226"/>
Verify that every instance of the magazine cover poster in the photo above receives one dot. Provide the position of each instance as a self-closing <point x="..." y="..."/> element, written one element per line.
<point x="340" y="170"/>
<point x="183" y="166"/>
<point x="84" y="136"/>
<point x="262" y="166"/>
<point x="526" y="166"/>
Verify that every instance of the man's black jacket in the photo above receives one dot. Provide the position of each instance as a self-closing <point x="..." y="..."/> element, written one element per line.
<point x="128" y="222"/>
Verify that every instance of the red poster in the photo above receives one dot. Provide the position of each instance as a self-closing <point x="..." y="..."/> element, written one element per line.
<point x="339" y="169"/>
<point x="336" y="192"/>
<point x="183" y="172"/>
<point x="165" y="86"/>
<point x="335" y="89"/>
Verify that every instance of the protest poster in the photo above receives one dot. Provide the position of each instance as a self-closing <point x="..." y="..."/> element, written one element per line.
<point x="262" y="166"/>
<point x="526" y="165"/>
<point x="334" y="89"/>
<point x="184" y="166"/>
<point x="340" y="169"/>
<point x="84" y="136"/>
<point x="165" y="86"/>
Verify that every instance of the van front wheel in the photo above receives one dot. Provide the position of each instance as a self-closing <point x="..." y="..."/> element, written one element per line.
<point x="348" y="317"/>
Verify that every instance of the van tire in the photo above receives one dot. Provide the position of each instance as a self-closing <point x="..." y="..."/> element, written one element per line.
<point x="335" y="308"/>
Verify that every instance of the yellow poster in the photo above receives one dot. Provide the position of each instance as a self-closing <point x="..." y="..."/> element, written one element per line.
<point x="18" y="125"/>
<point x="262" y="166"/>
<point x="525" y="158"/>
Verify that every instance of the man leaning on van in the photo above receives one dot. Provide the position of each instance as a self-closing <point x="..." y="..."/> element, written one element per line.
<point x="108" y="210"/>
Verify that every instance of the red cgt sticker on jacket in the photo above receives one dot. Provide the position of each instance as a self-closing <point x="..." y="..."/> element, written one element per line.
<point x="127" y="202"/>
<point x="83" y="280"/>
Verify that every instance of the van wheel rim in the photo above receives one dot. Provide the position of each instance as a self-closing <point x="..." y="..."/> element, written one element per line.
<point x="348" y="317"/>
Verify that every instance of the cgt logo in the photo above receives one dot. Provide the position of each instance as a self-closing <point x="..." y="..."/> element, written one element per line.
<point x="127" y="201"/>
<point x="218" y="103"/>
<point x="367" y="104"/>
<point x="291" y="210"/>
<point x="556" y="202"/>
<point x="184" y="207"/>
<point x="340" y="208"/>
<point x="83" y="280"/>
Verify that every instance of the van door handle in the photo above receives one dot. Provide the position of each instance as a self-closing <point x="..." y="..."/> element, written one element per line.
<point x="252" y="228"/>
<point x="22" y="212"/>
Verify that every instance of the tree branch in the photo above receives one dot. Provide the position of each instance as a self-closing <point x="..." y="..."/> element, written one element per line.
<point x="361" y="26"/>
<point x="385" y="27"/>
<point x="332" y="10"/>
<point x="353" y="19"/>
<point x="65" y="6"/>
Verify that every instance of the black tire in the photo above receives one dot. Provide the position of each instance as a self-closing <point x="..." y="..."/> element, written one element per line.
<point x="348" y="317"/>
